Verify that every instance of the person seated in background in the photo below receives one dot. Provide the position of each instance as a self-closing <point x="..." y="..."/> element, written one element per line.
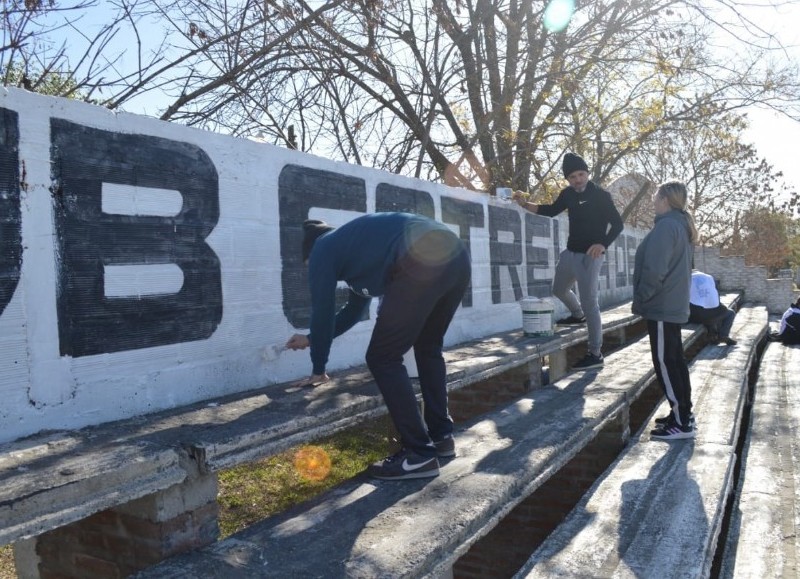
<point x="789" y="332"/>
<point x="705" y="308"/>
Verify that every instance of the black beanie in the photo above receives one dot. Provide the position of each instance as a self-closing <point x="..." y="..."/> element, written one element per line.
<point x="572" y="163"/>
<point x="312" y="229"/>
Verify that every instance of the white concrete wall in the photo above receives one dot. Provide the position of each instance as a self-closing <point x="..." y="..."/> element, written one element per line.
<point x="145" y="265"/>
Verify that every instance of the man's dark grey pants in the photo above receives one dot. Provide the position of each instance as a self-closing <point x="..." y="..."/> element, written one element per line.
<point x="719" y="319"/>
<point x="422" y="295"/>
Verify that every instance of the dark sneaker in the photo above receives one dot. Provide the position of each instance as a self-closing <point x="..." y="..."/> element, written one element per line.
<point x="728" y="341"/>
<point x="404" y="465"/>
<point x="571" y="321"/>
<point x="671" y="431"/>
<point x="668" y="418"/>
<point x="445" y="448"/>
<point x="589" y="361"/>
<point x="663" y="419"/>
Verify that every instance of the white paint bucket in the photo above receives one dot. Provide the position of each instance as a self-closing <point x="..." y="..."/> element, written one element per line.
<point x="537" y="316"/>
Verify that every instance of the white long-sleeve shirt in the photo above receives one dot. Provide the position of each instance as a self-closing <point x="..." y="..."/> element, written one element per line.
<point x="703" y="292"/>
<point x="785" y="319"/>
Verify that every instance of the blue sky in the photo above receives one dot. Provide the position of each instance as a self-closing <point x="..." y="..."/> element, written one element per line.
<point x="776" y="137"/>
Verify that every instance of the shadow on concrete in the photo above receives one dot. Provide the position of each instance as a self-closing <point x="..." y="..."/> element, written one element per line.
<point x="655" y="511"/>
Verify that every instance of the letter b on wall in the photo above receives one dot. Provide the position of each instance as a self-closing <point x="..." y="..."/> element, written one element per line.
<point x="89" y="240"/>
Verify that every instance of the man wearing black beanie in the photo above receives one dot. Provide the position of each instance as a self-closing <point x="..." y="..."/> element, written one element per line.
<point x="594" y="223"/>
<point x="572" y="163"/>
<point x="420" y="270"/>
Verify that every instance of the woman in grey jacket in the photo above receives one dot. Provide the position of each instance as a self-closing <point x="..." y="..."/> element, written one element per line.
<point x="661" y="282"/>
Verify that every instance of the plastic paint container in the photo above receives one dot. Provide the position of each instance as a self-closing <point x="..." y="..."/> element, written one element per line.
<point x="537" y="316"/>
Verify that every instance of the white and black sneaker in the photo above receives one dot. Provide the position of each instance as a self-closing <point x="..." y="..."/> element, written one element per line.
<point x="673" y="431"/>
<point x="404" y="465"/>
<point x="445" y="448"/>
<point x="668" y="418"/>
<point x="588" y="362"/>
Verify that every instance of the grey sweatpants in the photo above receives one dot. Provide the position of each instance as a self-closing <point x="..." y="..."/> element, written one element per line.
<point x="572" y="267"/>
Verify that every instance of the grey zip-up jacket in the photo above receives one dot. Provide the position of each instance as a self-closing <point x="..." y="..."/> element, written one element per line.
<point x="662" y="274"/>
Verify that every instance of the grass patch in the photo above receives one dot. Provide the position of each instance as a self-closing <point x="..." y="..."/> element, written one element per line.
<point x="254" y="491"/>
<point x="7" y="569"/>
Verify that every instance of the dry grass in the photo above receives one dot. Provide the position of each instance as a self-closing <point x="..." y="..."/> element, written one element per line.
<point x="257" y="490"/>
<point x="254" y="491"/>
<point x="7" y="569"/>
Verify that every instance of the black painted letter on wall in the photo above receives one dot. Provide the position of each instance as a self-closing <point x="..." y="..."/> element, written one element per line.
<point x="504" y="254"/>
<point x="299" y="190"/>
<point x="390" y="198"/>
<point x="10" y="214"/>
<point x="466" y="215"/>
<point x="89" y="323"/>
<point x="537" y="258"/>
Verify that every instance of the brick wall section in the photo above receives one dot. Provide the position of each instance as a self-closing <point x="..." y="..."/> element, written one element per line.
<point x="641" y="408"/>
<point x="118" y="542"/>
<point x="499" y="390"/>
<point x="732" y="274"/>
<point x="506" y="548"/>
<point x="504" y="388"/>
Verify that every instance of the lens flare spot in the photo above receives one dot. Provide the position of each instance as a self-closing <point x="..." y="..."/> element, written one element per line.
<point x="312" y="463"/>
<point x="558" y="14"/>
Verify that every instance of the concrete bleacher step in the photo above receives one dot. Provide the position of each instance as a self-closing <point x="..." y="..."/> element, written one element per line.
<point x="56" y="478"/>
<point x="412" y="528"/>
<point x="658" y="510"/>
<point x="763" y="539"/>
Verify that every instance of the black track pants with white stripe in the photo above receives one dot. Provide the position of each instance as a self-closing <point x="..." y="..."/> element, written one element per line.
<point x="671" y="369"/>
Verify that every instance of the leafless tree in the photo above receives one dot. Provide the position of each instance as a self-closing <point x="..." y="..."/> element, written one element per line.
<point x="46" y="47"/>
<point x="477" y="93"/>
<point x="725" y="176"/>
